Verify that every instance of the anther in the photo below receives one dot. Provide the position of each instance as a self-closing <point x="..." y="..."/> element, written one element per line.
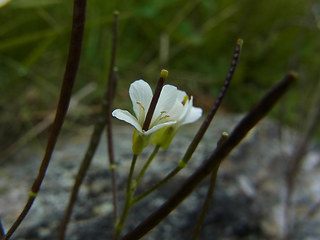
<point x="140" y="105"/>
<point x="185" y="99"/>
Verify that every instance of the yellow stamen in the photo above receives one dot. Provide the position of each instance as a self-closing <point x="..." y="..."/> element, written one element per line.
<point x="141" y="112"/>
<point x="159" y="118"/>
<point x="165" y="116"/>
<point x="185" y="99"/>
<point x="140" y="105"/>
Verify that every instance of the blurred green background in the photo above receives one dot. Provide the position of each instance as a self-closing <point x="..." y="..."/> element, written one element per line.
<point x="193" y="39"/>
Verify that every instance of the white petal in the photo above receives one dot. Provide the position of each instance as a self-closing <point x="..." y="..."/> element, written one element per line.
<point x="181" y="95"/>
<point x="157" y="127"/>
<point x="177" y="110"/>
<point x="140" y="91"/>
<point x="193" y="115"/>
<point x="127" y="117"/>
<point x="166" y="100"/>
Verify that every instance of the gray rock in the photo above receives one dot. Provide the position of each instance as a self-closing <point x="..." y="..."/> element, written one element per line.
<point x="247" y="204"/>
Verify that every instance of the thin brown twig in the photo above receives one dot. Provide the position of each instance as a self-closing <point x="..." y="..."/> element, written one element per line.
<point x="102" y="119"/>
<point x="214" y="160"/>
<point x="206" y="203"/>
<point x="110" y="95"/>
<point x="79" y="12"/>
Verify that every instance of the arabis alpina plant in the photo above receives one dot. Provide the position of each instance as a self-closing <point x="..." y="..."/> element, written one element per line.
<point x="173" y="108"/>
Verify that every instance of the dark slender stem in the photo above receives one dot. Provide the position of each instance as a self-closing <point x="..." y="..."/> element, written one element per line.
<point x="154" y="101"/>
<point x="203" y="128"/>
<point x="110" y="96"/>
<point x="78" y="23"/>
<point x="2" y="232"/>
<point x="206" y="204"/>
<point x="209" y="196"/>
<point x="102" y="119"/>
<point x="214" y="160"/>
<point x="206" y="123"/>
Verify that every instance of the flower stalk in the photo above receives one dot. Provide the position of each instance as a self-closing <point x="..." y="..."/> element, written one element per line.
<point x="130" y="189"/>
<point x="127" y="204"/>
<point x="146" y="165"/>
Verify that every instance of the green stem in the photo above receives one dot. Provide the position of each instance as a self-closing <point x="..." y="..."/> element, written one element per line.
<point x="128" y="200"/>
<point x="156" y="186"/>
<point x="146" y="165"/>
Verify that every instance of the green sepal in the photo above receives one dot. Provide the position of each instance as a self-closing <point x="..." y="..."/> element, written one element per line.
<point x="164" y="136"/>
<point x="139" y="142"/>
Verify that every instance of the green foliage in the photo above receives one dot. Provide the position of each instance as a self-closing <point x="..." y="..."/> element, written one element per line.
<point x="278" y="36"/>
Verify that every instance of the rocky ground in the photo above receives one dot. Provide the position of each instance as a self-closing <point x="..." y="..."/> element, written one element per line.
<point x="247" y="204"/>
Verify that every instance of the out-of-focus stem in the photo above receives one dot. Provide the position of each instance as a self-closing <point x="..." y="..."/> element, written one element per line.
<point x="294" y="166"/>
<point x="211" y="187"/>
<point x="93" y="144"/>
<point x="79" y="12"/>
<point x="110" y="96"/>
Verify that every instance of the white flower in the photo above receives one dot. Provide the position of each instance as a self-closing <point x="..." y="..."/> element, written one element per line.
<point x="173" y="109"/>
<point x="183" y="112"/>
<point x="141" y="94"/>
